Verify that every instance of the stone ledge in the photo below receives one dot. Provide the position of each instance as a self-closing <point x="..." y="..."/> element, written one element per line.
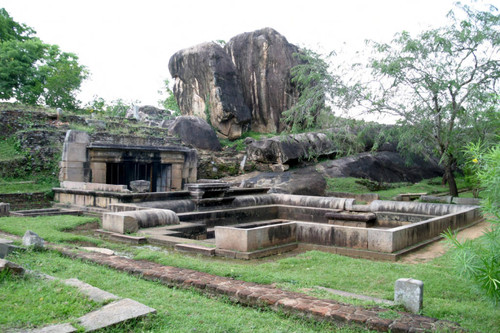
<point x="252" y="294"/>
<point x="194" y="248"/>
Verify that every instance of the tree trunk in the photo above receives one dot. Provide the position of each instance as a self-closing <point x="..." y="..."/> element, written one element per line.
<point x="451" y="180"/>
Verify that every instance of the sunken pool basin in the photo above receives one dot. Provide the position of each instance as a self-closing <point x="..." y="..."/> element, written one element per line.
<point x="400" y="228"/>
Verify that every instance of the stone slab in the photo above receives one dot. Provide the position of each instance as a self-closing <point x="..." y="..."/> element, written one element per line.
<point x="99" y="250"/>
<point x="114" y="313"/>
<point x="59" y="328"/>
<point x="194" y="248"/>
<point x="93" y="293"/>
<point x="12" y="267"/>
<point x="6" y="247"/>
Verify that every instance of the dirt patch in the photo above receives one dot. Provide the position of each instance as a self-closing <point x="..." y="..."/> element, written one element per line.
<point x="86" y="226"/>
<point x="437" y="249"/>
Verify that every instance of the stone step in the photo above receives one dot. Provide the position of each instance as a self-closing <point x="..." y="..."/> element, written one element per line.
<point x="114" y="313"/>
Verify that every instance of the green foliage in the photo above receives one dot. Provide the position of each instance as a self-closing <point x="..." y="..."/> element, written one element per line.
<point x="169" y="102"/>
<point x="239" y="144"/>
<point x="440" y="85"/>
<point x="480" y="260"/>
<point x="312" y="80"/>
<point x="33" y="72"/>
<point x="116" y="109"/>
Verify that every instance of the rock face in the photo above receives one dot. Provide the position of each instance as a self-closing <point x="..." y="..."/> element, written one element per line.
<point x="196" y="132"/>
<point x="248" y="79"/>
<point x="290" y="148"/>
<point x="263" y="60"/>
<point x="206" y="85"/>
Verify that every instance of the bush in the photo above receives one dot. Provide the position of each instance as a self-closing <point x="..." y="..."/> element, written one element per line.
<point x="480" y="260"/>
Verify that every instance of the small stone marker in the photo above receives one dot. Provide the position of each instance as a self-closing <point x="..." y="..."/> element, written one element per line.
<point x="32" y="239"/>
<point x="4" y="209"/>
<point x="409" y="293"/>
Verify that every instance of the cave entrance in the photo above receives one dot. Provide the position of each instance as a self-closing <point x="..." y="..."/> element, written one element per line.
<point x="159" y="175"/>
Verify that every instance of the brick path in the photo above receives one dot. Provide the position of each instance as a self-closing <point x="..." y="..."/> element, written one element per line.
<point x="253" y="294"/>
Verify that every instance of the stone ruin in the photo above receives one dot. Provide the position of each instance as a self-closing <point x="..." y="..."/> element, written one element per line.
<point x="214" y="218"/>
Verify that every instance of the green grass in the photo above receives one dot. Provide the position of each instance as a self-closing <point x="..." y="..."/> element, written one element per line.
<point x="429" y="186"/>
<point x="28" y="184"/>
<point x="177" y="310"/>
<point x="50" y="228"/>
<point x="447" y="296"/>
<point x="31" y="301"/>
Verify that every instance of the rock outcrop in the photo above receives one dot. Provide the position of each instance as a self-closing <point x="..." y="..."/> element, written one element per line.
<point x="196" y="132"/>
<point x="290" y="148"/>
<point x="383" y="166"/>
<point x="263" y="60"/>
<point x="206" y="85"/>
<point x="248" y="79"/>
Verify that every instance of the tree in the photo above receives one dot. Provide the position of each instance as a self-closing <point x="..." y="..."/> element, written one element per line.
<point x="33" y="72"/>
<point x="169" y="103"/>
<point x="441" y="85"/>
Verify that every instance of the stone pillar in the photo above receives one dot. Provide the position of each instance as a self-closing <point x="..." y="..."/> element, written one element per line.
<point x="410" y="294"/>
<point x="74" y="162"/>
<point x="98" y="172"/>
<point x="4" y="209"/>
<point x="177" y="176"/>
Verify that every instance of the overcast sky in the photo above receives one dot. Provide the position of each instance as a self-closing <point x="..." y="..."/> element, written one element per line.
<point x="126" y="45"/>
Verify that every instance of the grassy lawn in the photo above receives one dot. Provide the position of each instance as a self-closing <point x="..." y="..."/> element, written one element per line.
<point x="429" y="186"/>
<point x="446" y="296"/>
<point x="31" y="301"/>
<point x="177" y="310"/>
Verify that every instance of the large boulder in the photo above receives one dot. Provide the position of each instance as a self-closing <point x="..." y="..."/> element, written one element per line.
<point x="290" y="148"/>
<point x="206" y="85"/>
<point x="263" y="60"/>
<point x="196" y="132"/>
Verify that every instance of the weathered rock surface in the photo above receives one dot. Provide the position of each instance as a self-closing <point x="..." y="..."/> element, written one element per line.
<point x="385" y="166"/>
<point x="290" y="148"/>
<point x="380" y="166"/>
<point x="247" y="80"/>
<point x="305" y="181"/>
<point x="205" y="81"/>
<point x="196" y="132"/>
<point x="263" y="60"/>
<point x="31" y="238"/>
